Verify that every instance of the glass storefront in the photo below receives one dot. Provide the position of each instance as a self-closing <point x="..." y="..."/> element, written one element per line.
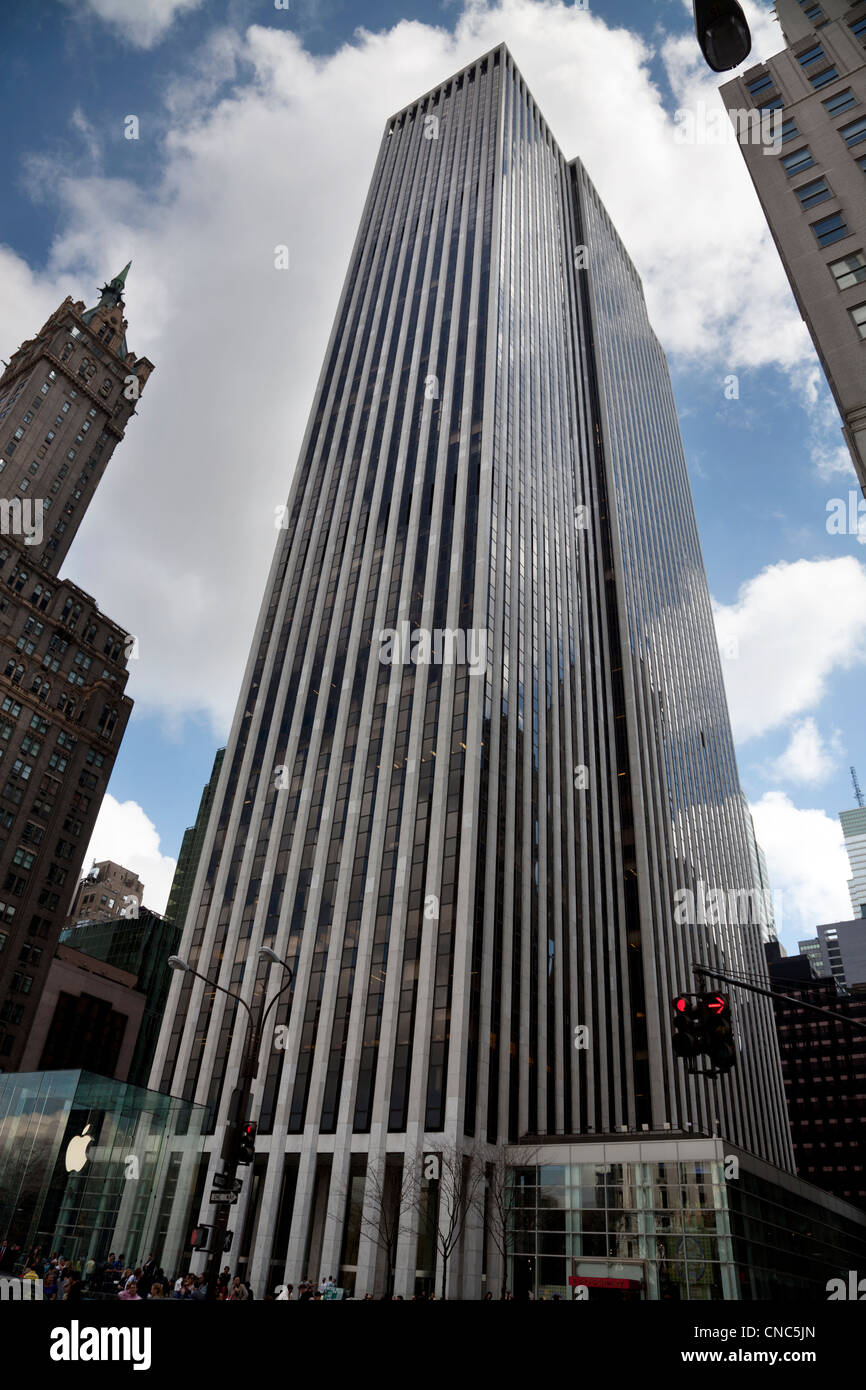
<point x="621" y="1230"/>
<point x="673" y="1230"/>
<point x="82" y="1159"/>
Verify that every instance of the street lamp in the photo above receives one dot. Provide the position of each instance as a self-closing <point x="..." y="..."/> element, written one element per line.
<point x="723" y="33"/>
<point x="237" y="1120"/>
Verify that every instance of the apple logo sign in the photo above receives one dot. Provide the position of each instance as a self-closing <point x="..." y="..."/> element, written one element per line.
<point x="76" y="1152"/>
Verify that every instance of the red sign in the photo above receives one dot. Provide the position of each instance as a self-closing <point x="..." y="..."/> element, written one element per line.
<point x="575" y="1280"/>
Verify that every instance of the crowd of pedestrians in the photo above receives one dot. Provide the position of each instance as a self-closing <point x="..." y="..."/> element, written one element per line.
<point x="60" y="1280"/>
<point x="116" y="1279"/>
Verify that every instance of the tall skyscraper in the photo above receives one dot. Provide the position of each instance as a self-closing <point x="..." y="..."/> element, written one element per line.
<point x="760" y="878"/>
<point x="813" y="191"/>
<point x="480" y="787"/>
<point x="190" y="849"/>
<point x="65" y="399"/>
<point x="854" y="831"/>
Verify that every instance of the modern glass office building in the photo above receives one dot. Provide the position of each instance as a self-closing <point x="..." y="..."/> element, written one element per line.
<point x="482" y="755"/>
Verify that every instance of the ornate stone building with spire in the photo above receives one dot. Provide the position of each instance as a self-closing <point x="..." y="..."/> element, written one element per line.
<point x="65" y="399"/>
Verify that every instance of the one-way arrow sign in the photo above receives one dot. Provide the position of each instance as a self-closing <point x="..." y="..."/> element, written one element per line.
<point x="230" y="1197"/>
<point x="222" y="1183"/>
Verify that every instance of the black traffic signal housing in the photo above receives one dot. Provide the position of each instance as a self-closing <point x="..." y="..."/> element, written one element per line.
<point x="723" y="33"/>
<point x="246" y="1146"/>
<point x="718" y="1034"/>
<point x="200" y="1237"/>
<point x="702" y="1028"/>
<point x="689" y="1020"/>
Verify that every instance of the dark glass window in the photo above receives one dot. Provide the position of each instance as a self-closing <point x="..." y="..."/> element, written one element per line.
<point x="853" y="133"/>
<point x="815" y="192"/>
<point x="839" y="102"/>
<point x="830" y="229"/>
<point x="798" y="160"/>
<point x="810" y="56"/>
<point x="823" y="79"/>
<point x="760" y="83"/>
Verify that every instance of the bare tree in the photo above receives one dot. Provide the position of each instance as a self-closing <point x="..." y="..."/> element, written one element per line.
<point x="459" y="1185"/>
<point x="388" y="1197"/>
<point x="505" y="1216"/>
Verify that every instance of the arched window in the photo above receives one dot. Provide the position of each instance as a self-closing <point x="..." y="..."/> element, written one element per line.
<point x="107" y="721"/>
<point x="105" y="389"/>
<point x="84" y="364"/>
<point x="66" y="353"/>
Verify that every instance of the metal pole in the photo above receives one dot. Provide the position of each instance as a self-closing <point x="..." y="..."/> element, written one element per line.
<point x="238" y="1114"/>
<point x="774" y="994"/>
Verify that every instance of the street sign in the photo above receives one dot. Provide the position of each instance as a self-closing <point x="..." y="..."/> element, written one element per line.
<point x="229" y="1197"/>
<point x="223" y="1183"/>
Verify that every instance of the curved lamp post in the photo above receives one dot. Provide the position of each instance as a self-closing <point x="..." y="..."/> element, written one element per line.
<point x="239" y="1105"/>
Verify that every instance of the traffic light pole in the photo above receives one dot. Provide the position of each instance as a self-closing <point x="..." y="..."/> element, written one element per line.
<point x="239" y="1106"/>
<point x="774" y="994"/>
<point x="238" y="1116"/>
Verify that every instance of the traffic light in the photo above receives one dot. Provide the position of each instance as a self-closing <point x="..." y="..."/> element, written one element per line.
<point x="702" y="1027"/>
<point x="688" y="1026"/>
<point x="723" y="33"/>
<point x="718" y="1033"/>
<point x="246" y="1150"/>
<point x="200" y="1237"/>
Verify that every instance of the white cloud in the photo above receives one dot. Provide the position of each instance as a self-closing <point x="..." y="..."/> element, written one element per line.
<point x="829" y="453"/>
<point x="124" y="833"/>
<point x="807" y="865"/>
<point x="791" y="627"/>
<point x="177" y="544"/>
<point x="143" y="23"/>
<point x="807" y="758"/>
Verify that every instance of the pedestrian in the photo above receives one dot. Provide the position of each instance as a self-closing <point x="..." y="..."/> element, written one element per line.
<point x="239" y="1293"/>
<point x="148" y="1274"/>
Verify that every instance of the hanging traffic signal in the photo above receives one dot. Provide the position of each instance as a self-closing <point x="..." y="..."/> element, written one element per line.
<point x="689" y="1021"/>
<point x="718" y="1034"/>
<point x="246" y="1143"/>
<point x="702" y="1028"/>
<point x="723" y="33"/>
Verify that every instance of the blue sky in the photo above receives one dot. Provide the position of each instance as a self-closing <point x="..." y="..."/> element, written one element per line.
<point x="260" y="125"/>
